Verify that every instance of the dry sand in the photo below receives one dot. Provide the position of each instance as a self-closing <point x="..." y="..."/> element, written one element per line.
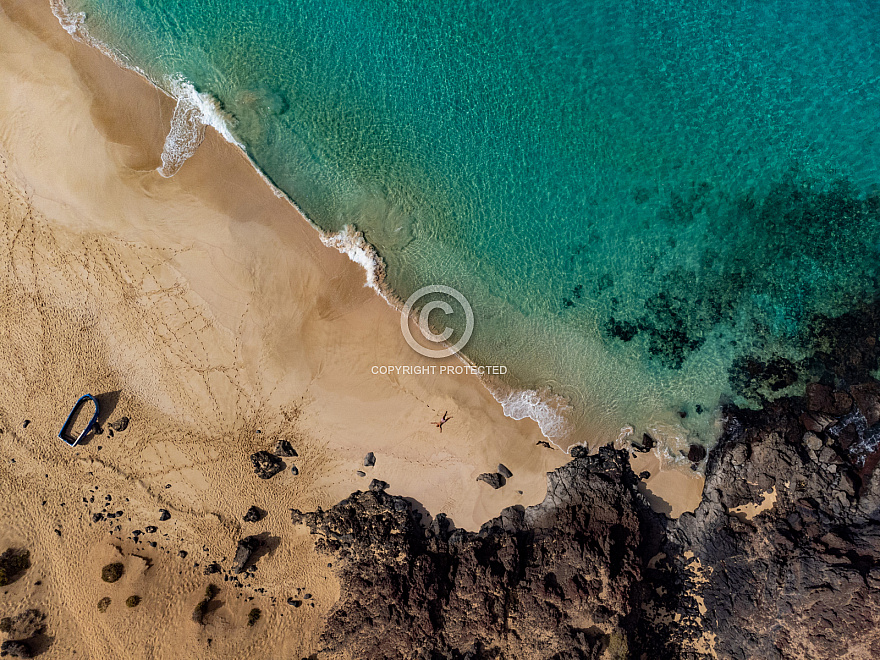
<point x="207" y="310"/>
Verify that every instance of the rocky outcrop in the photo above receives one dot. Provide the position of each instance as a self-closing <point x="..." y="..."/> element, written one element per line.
<point x="546" y="581"/>
<point x="24" y="624"/>
<point x="799" y="579"/>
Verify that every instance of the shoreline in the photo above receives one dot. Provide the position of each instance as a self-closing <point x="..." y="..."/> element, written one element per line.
<point x="676" y="491"/>
<point x="543" y="409"/>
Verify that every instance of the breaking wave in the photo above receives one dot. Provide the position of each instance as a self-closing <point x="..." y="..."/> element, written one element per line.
<point x="194" y="111"/>
<point x="549" y="410"/>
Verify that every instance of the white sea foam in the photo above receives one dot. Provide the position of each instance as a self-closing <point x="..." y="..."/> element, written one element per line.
<point x="72" y="21"/>
<point x="548" y="410"/>
<point x="352" y="243"/>
<point x="194" y="111"/>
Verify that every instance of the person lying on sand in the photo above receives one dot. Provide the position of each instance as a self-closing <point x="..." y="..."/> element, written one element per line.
<point x="440" y="424"/>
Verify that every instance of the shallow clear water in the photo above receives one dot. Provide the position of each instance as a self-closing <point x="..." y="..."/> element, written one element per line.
<point x="632" y="194"/>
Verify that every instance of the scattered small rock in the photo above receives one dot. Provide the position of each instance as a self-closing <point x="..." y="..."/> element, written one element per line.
<point x="266" y="465"/>
<point x="254" y="514"/>
<point x="246" y="548"/>
<point x="152" y="529"/>
<point x="370" y="459"/>
<point x="294" y="470"/>
<point x="377" y="484"/>
<point x="646" y="445"/>
<point x="294" y="602"/>
<point x="493" y="479"/>
<point x="132" y="601"/>
<point x="212" y="568"/>
<point x="27" y="423"/>
<point x="812" y="441"/>
<point x="119" y="425"/>
<point x="164" y="515"/>
<point x="284" y="448"/>
<point x="112" y="572"/>
<point x="182" y="554"/>
<point x="361" y="473"/>
<point x="254" y="616"/>
<point x="103" y="604"/>
<point x="503" y="469"/>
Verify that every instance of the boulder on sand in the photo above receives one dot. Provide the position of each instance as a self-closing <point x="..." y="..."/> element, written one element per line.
<point x="245" y="550"/>
<point x="266" y="465"/>
<point x="370" y="460"/>
<point x="284" y="448"/>
<point x="493" y="479"/>
<point x="254" y="514"/>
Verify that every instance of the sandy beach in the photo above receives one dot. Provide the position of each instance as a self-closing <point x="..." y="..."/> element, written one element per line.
<point x="206" y="310"/>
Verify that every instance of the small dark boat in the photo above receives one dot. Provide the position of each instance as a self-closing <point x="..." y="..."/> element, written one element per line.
<point x="68" y="432"/>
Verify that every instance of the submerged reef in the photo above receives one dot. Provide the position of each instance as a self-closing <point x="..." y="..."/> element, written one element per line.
<point x="781" y="560"/>
<point x="759" y="266"/>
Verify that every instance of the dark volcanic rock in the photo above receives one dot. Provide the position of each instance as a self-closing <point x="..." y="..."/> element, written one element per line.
<point x="254" y="514"/>
<point x="245" y="550"/>
<point x="377" y="484"/>
<point x="266" y="465"/>
<point x="119" y="425"/>
<point x="646" y="445"/>
<point x="285" y="449"/>
<point x="16" y="649"/>
<point x="493" y="479"/>
<point x="24" y="624"/>
<point x="13" y="562"/>
<point x="696" y="453"/>
<point x="522" y="587"/>
<point x="504" y="471"/>
<point x="796" y="580"/>
<point x="370" y="459"/>
<point x="164" y="515"/>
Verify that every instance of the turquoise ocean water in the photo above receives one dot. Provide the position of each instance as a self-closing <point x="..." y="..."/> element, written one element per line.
<point x="635" y="196"/>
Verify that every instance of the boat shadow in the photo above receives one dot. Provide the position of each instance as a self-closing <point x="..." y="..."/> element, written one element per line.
<point x="107" y="403"/>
